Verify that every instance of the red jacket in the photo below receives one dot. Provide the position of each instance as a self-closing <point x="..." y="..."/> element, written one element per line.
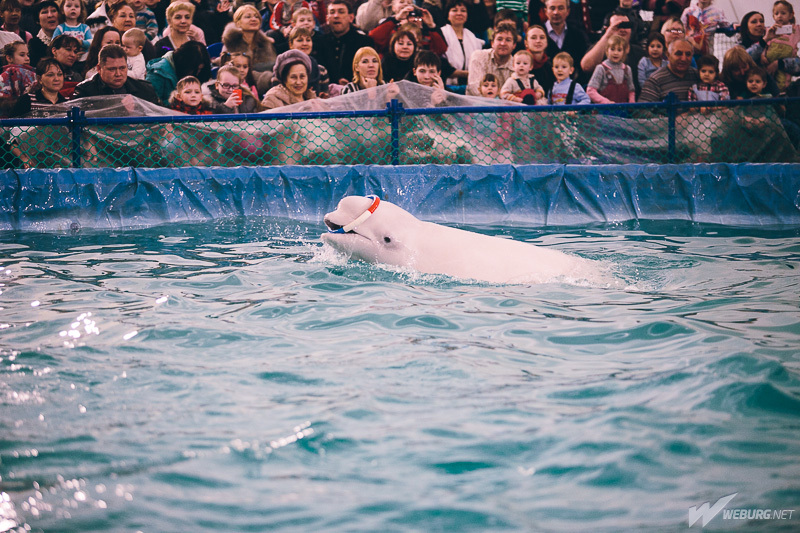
<point x="431" y="39"/>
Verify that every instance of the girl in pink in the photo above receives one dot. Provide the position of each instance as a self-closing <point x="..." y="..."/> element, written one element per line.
<point x="782" y="39"/>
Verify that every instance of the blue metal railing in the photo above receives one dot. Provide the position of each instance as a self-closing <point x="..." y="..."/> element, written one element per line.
<point x="77" y="121"/>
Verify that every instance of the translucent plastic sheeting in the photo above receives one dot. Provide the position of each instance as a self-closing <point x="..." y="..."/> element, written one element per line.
<point x="741" y="194"/>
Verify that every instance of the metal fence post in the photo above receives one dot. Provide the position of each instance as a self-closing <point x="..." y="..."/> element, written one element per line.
<point x="76" y="117"/>
<point x="672" y="112"/>
<point x="395" y="110"/>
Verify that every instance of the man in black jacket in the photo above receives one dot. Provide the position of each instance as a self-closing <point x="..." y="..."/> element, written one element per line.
<point x="341" y="42"/>
<point x="562" y="37"/>
<point x="112" y="78"/>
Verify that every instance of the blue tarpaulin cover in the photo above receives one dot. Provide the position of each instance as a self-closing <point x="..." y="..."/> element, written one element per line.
<point x="531" y="195"/>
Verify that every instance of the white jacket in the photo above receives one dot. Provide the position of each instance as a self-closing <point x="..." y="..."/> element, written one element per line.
<point x="458" y="58"/>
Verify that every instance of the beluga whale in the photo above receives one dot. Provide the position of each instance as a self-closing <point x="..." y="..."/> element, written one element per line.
<point x="369" y="229"/>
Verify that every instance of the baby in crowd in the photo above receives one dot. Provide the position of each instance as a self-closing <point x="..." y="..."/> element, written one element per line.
<point x="73" y="12"/>
<point x="710" y="87"/>
<point x="612" y="80"/>
<point x="488" y="86"/>
<point x="133" y="43"/>
<point x="566" y="91"/>
<point x="145" y="18"/>
<point x="522" y="86"/>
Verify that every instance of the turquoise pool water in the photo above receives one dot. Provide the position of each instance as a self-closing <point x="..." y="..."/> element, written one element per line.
<point x="234" y="376"/>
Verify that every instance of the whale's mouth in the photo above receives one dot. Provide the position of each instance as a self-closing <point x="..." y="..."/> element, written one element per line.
<point x="350" y="228"/>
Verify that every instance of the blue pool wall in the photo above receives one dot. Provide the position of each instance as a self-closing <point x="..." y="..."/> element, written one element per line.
<point x="531" y="195"/>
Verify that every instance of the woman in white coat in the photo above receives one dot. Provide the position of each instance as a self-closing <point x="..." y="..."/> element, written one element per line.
<point x="460" y="41"/>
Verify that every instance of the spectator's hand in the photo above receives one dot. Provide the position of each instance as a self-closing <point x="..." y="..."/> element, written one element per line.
<point x="438" y="96"/>
<point x="192" y="34"/>
<point x="286" y="30"/>
<point x="427" y="18"/>
<point x="129" y="102"/>
<point x="223" y="6"/>
<point x="343" y="82"/>
<point x="392" y="90"/>
<point x="764" y="60"/>
<point x="770" y="33"/>
<point x="613" y="24"/>
<point x="438" y="83"/>
<point x="370" y="83"/>
<point x="233" y="100"/>
<point x="403" y="15"/>
<point x="772" y="68"/>
<point x="511" y="98"/>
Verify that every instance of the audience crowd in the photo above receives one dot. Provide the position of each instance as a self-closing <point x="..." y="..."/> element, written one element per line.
<point x="234" y="56"/>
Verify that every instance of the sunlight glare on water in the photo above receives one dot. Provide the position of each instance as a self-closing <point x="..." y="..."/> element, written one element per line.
<point x="236" y="375"/>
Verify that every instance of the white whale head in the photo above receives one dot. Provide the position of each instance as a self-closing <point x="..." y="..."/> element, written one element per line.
<point x="371" y="230"/>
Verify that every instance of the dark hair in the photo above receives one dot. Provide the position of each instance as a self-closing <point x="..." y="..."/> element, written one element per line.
<point x="111" y="51"/>
<point x="507" y="27"/>
<point x="489" y="77"/>
<point x="708" y="61"/>
<point x="8" y="5"/>
<point x="396" y="37"/>
<point x="94" y="48"/>
<point x="39" y="6"/>
<point x="758" y="71"/>
<point x="428" y="59"/>
<point x="64" y="40"/>
<point x="345" y="3"/>
<point x="44" y="65"/>
<point x="112" y="8"/>
<point x="453" y="3"/>
<point x="192" y="59"/>
<point x="744" y="31"/>
<point x="657" y="36"/>
<point x="11" y="48"/>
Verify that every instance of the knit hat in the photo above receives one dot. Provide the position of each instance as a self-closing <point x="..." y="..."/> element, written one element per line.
<point x="286" y="60"/>
<point x="45" y="3"/>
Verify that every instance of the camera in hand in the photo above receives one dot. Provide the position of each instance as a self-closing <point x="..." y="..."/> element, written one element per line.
<point x="625" y="25"/>
<point x="415" y="13"/>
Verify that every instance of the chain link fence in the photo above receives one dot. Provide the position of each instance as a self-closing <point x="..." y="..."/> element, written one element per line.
<point x="669" y="132"/>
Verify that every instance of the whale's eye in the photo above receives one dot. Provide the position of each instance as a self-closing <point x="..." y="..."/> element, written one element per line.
<point x="387" y="239"/>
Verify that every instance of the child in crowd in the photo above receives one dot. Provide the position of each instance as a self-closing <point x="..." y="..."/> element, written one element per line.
<point x="73" y="14"/>
<point x="710" y="87"/>
<point x="243" y="63"/>
<point x="302" y="38"/>
<point x="566" y="91"/>
<point x="145" y="18"/>
<point x="188" y="97"/>
<point x="281" y="18"/>
<point x="522" y="86"/>
<point x="427" y="71"/>
<point x="17" y="75"/>
<point x="655" y="58"/>
<point x="782" y="39"/>
<point x="367" y="71"/>
<point x="612" y="80"/>
<point x="702" y="20"/>
<point x="133" y="43"/>
<point x="11" y="11"/>
<point x="756" y="82"/>
<point x="228" y="95"/>
<point x="489" y="86"/>
<point x="301" y="18"/>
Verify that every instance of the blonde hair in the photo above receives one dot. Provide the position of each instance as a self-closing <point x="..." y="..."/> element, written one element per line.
<point x="137" y="35"/>
<point x="183" y="82"/>
<point x="239" y="13"/>
<point x="300" y="11"/>
<point x="362" y="52"/>
<point x="565" y="57"/>
<point x="180" y="5"/>
<point x="617" y="41"/>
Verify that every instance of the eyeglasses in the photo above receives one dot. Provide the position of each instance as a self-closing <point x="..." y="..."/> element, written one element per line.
<point x="675" y="30"/>
<point x="227" y="86"/>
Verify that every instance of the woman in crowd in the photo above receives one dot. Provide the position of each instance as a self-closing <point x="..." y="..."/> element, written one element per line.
<point x="735" y="66"/>
<point x="461" y="42"/>
<point x="123" y="18"/>
<point x="751" y="34"/>
<point x="191" y="59"/>
<point x="45" y="92"/>
<point x="244" y="35"/>
<point x="66" y="49"/>
<point x="536" y="43"/>
<point x="291" y="71"/>
<point x="367" y="71"/>
<point x="399" y="59"/>
<point x="179" y="20"/>
<point x="105" y="36"/>
<point x="405" y="11"/>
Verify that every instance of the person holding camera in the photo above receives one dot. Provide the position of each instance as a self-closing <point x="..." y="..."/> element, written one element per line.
<point x="405" y="11"/>
<point x="618" y="25"/>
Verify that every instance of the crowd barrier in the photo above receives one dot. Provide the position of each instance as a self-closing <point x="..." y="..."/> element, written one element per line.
<point x="398" y="130"/>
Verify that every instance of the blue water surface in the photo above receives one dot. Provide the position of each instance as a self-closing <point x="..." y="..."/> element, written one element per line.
<point x="235" y="376"/>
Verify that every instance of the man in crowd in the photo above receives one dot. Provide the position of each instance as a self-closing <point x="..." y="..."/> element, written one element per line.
<point x="497" y="60"/>
<point x="561" y="37"/>
<point x="341" y="42"/>
<point x="112" y="78"/>
<point x="677" y="77"/>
